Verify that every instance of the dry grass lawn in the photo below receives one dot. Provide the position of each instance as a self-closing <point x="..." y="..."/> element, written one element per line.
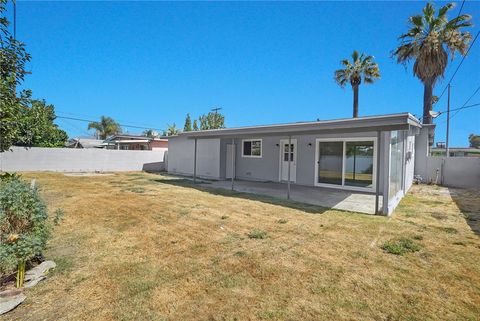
<point x="145" y="247"/>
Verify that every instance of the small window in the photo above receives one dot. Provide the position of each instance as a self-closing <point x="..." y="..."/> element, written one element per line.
<point x="252" y="148"/>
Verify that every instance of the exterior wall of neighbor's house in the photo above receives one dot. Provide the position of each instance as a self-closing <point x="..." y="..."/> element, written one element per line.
<point x="158" y="144"/>
<point x="181" y="157"/>
<point x="266" y="168"/>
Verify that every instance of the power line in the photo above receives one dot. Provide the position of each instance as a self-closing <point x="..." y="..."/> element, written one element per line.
<point x="123" y="125"/>
<point x="458" y="109"/>
<point x="458" y="67"/>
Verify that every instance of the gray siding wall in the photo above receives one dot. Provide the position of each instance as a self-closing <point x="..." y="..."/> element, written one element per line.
<point x="266" y="168"/>
<point x="181" y="155"/>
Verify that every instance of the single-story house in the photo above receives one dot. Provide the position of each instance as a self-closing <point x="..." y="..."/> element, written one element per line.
<point x="372" y="155"/>
<point x="135" y="142"/>
<point x="84" y="142"/>
<point x="456" y="151"/>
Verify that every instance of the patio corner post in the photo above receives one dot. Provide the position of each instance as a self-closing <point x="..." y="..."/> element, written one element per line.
<point x="377" y="183"/>
<point x="290" y="153"/>
<point x="233" y="160"/>
<point x="195" y="162"/>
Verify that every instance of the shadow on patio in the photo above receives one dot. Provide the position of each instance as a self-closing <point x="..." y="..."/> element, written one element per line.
<point x="468" y="201"/>
<point x="309" y="199"/>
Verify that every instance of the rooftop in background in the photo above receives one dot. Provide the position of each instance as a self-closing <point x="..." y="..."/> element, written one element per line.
<point x="367" y="123"/>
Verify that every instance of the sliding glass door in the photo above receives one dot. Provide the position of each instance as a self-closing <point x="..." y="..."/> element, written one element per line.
<point x="348" y="163"/>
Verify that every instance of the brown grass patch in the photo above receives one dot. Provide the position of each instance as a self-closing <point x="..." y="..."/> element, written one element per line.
<point x="131" y="247"/>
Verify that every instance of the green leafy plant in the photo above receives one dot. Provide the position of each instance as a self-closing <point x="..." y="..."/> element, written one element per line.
<point x="257" y="234"/>
<point x="400" y="246"/>
<point x="24" y="225"/>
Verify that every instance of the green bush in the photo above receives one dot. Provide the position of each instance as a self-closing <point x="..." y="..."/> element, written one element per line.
<point x="400" y="246"/>
<point x="24" y="226"/>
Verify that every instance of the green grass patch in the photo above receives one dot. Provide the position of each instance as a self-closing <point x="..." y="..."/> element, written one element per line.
<point x="257" y="234"/>
<point x="400" y="246"/>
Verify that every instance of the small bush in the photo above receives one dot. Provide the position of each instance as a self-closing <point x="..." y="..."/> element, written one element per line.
<point x="257" y="234"/>
<point x="282" y="221"/>
<point x="400" y="246"/>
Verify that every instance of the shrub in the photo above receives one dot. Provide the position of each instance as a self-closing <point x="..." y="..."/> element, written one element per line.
<point x="24" y="226"/>
<point x="400" y="246"/>
<point x="257" y="234"/>
<point x="282" y="221"/>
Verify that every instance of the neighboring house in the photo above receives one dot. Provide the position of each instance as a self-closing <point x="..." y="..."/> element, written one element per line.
<point x="135" y="142"/>
<point x="84" y="142"/>
<point x="374" y="154"/>
<point x="456" y="151"/>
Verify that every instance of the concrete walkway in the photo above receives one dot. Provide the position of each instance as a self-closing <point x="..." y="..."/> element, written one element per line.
<point x="325" y="197"/>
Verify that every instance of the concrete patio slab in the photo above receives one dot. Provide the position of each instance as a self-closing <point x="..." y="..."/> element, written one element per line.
<point x="325" y="197"/>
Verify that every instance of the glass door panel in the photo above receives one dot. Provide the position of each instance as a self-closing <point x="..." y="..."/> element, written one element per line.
<point x="359" y="164"/>
<point x="330" y="163"/>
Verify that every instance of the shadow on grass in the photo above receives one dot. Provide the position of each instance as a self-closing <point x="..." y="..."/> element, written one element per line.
<point x="468" y="201"/>
<point x="183" y="182"/>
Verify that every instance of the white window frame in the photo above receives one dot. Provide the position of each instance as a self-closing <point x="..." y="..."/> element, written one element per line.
<point x="253" y="140"/>
<point x="344" y="141"/>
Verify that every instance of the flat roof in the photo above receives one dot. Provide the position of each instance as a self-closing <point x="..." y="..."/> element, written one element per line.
<point x="399" y="121"/>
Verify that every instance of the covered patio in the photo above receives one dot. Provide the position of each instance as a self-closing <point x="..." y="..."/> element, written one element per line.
<point x="321" y="196"/>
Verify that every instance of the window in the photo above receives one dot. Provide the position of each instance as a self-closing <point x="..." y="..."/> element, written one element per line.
<point x="252" y="148"/>
<point x="349" y="163"/>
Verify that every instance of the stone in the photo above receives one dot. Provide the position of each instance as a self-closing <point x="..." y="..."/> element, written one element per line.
<point x="10" y="299"/>
<point x="38" y="273"/>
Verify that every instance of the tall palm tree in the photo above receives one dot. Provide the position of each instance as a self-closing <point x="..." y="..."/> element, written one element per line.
<point x="361" y="68"/>
<point x="105" y="127"/>
<point x="172" y="130"/>
<point x="429" y="41"/>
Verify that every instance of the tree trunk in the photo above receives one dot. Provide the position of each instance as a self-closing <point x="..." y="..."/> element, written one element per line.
<point x="355" y="101"/>
<point x="427" y="101"/>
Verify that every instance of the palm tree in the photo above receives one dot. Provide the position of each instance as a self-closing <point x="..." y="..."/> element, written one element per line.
<point x="105" y="127"/>
<point x="429" y="41"/>
<point x="171" y="130"/>
<point x="360" y="68"/>
<point x="150" y="133"/>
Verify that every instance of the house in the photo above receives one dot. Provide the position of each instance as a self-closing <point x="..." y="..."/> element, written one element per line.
<point x="135" y="142"/>
<point x="370" y="155"/>
<point x="84" y="142"/>
<point x="456" y="151"/>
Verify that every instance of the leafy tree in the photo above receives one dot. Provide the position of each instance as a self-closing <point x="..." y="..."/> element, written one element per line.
<point x="188" y="124"/>
<point x="211" y="121"/>
<point x="13" y="59"/>
<point x="361" y="67"/>
<point x="172" y="130"/>
<point x="24" y="226"/>
<point x="151" y="133"/>
<point x="429" y="41"/>
<point x="105" y="127"/>
<point x="195" y="125"/>
<point x="474" y="140"/>
<point x="42" y="131"/>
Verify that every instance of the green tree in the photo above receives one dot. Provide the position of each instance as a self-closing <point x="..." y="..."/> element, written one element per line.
<point x="42" y="131"/>
<point x="195" y="125"/>
<point x="172" y="130"/>
<point x="474" y="140"/>
<point x="188" y="124"/>
<point x="429" y="42"/>
<point x="105" y="127"/>
<point x="211" y="121"/>
<point x="13" y="59"/>
<point x="361" y="68"/>
<point x="151" y="133"/>
<point x="24" y="225"/>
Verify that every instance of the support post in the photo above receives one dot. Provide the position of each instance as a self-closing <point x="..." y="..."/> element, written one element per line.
<point x="195" y="163"/>
<point x="448" y="125"/>
<point x="289" y="160"/>
<point x="233" y="160"/>
<point x="377" y="183"/>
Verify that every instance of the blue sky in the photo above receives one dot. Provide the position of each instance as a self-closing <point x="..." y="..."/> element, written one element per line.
<point x="150" y="63"/>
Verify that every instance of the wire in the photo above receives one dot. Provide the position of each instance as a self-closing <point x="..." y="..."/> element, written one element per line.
<point x="123" y="125"/>
<point x="468" y="100"/>
<point x="458" y="67"/>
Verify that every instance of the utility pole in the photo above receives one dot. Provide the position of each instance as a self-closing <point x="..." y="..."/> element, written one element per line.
<point x="216" y="112"/>
<point x="448" y="123"/>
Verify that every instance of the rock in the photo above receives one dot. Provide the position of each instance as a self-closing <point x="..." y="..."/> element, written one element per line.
<point x="40" y="270"/>
<point x="33" y="282"/>
<point x="10" y="299"/>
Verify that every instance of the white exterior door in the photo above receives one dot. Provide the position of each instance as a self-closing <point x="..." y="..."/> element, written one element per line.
<point x="230" y="159"/>
<point x="286" y="153"/>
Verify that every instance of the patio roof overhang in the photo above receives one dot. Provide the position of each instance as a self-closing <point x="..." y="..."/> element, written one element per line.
<point x="403" y="121"/>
